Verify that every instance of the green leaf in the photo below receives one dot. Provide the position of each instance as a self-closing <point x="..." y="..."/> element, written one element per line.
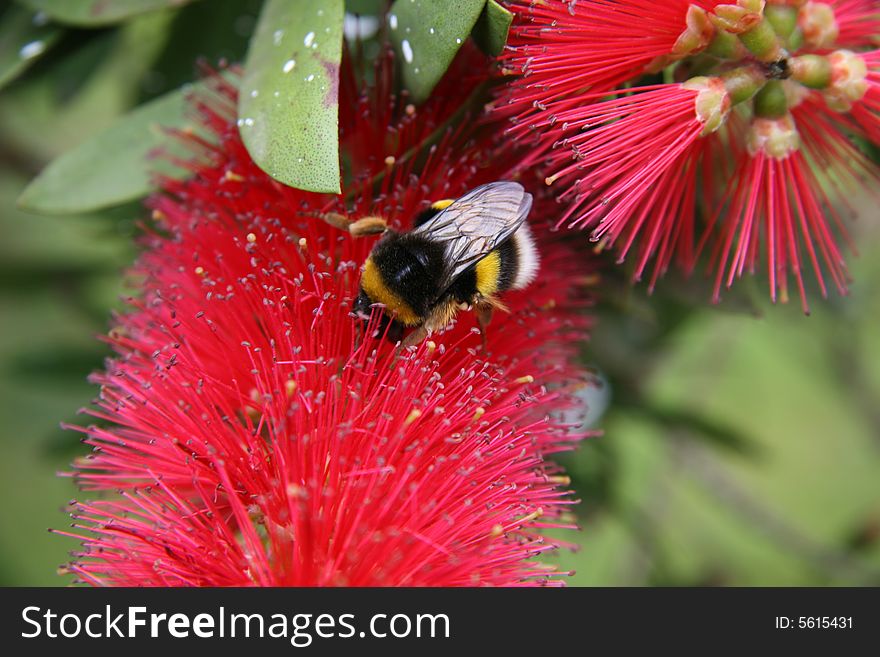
<point x="288" y="103"/>
<point x="92" y="13"/>
<point x="23" y="38"/>
<point x="365" y="7"/>
<point x="427" y="35"/>
<point x="97" y="81"/>
<point x="490" y="32"/>
<point x="114" y="166"/>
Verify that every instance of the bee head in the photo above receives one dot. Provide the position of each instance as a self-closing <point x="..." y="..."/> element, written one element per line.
<point x="363" y="308"/>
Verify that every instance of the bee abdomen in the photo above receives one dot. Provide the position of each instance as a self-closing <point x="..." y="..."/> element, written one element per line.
<point x="512" y="266"/>
<point x="527" y="259"/>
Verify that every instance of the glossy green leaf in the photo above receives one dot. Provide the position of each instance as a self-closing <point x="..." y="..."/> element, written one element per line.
<point x="23" y="39"/>
<point x="365" y="7"/>
<point x="288" y="105"/>
<point x="114" y="166"/>
<point x="490" y="32"/>
<point x="91" y="13"/>
<point x="427" y="34"/>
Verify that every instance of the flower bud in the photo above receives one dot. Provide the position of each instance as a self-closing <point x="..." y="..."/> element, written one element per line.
<point x="776" y="138"/>
<point x="819" y="24"/>
<point x="849" y="81"/>
<point x="712" y="104"/>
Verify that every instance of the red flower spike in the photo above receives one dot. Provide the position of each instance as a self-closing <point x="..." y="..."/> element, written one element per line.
<point x="630" y="166"/>
<point x="778" y="207"/>
<point x="632" y="163"/>
<point x="259" y="439"/>
<point x="775" y="199"/>
<point x="563" y="49"/>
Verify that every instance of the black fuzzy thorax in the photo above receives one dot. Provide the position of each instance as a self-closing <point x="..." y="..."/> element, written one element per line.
<point x="411" y="267"/>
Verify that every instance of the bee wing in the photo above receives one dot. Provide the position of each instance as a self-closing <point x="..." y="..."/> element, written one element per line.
<point x="474" y="224"/>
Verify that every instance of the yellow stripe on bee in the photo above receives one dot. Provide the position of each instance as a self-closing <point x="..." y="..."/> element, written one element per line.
<point x="442" y="205"/>
<point x="488" y="272"/>
<point x="374" y="286"/>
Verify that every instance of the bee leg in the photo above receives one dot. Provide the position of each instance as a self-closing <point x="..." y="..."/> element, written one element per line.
<point x="439" y="318"/>
<point x="484" y="316"/>
<point x="336" y="220"/>
<point x="414" y="338"/>
<point x="358" y="335"/>
<point x="360" y="228"/>
<point x="367" y="226"/>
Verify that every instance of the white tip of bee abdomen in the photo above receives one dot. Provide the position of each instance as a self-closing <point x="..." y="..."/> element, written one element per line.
<point x="528" y="258"/>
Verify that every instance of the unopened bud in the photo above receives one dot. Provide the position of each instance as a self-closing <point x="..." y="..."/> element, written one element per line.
<point x="738" y="18"/>
<point x="771" y="102"/>
<point x="697" y="34"/>
<point x="819" y="25"/>
<point x="712" y="104"/>
<point x="783" y="18"/>
<point x="849" y="82"/>
<point x="776" y="138"/>
<point x="813" y="71"/>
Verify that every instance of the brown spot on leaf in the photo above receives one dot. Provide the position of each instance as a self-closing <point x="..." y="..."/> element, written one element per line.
<point x="331" y="70"/>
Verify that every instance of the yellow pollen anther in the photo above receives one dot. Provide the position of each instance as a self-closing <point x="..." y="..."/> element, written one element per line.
<point x="251" y="238"/>
<point x="389" y="161"/>
<point x="200" y="271"/>
<point x="158" y="215"/>
<point x="410" y="109"/>
<point x="295" y="491"/>
<point x="497" y="530"/>
<point x="561" y="480"/>
<point x="232" y="176"/>
<point x="480" y="412"/>
<point x="549" y="180"/>
<point x="414" y="415"/>
<point x="290" y="387"/>
<point x="534" y="515"/>
<point x="528" y="378"/>
<point x="302" y="242"/>
<point x="431" y="345"/>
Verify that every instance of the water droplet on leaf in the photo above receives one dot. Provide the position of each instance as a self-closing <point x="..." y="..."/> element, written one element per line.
<point x="407" y="51"/>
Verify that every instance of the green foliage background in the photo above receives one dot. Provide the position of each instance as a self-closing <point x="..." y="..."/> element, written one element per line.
<point x="741" y="446"/>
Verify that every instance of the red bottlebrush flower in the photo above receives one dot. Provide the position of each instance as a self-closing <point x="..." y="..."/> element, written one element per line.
<point x="777" y="198"/>
<point x="631" y="164"/>
<point x="257" y="443"/>
<point x="640" y="160"/>
<point x="563" y="49"/>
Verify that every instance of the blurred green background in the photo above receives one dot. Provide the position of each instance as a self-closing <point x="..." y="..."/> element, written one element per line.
<point x="741" y="447"/>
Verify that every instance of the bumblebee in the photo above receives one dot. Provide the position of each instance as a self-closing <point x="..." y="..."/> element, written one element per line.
<point x="461" y="254"/>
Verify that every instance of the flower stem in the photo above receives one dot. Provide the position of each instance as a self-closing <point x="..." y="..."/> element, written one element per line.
<point x="770" y="102"/>
<point x="743" y="83"/>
